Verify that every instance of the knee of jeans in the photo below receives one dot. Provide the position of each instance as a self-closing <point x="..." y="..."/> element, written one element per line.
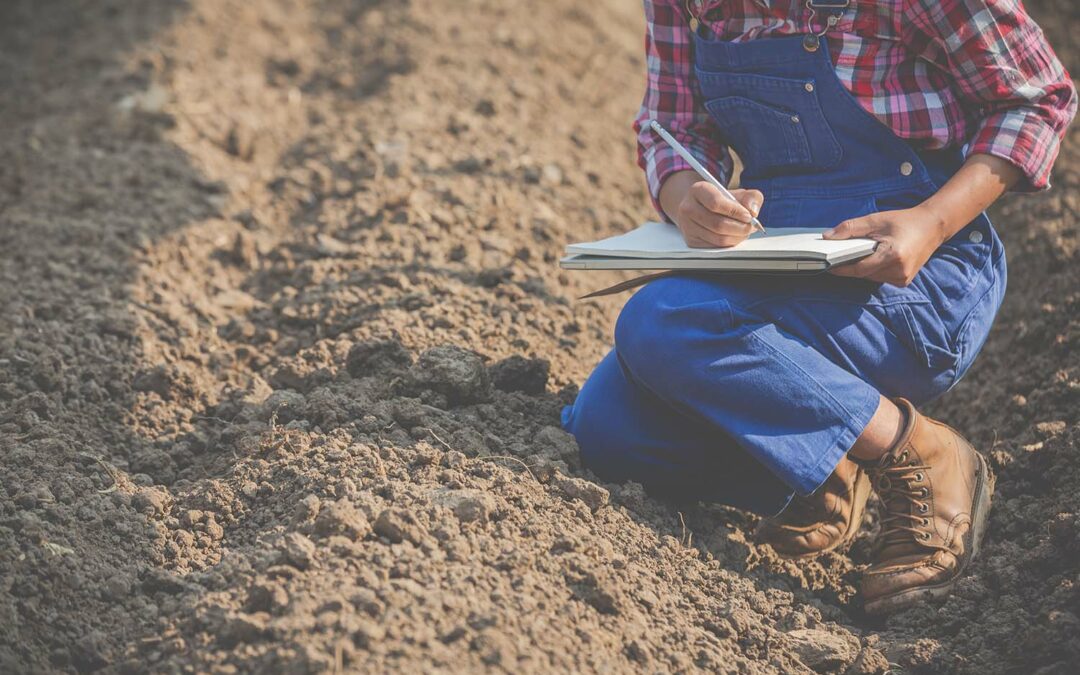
<point x="660" y="320"/>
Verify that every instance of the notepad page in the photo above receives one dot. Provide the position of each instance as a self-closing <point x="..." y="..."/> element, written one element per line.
<point x="662" y="240"/>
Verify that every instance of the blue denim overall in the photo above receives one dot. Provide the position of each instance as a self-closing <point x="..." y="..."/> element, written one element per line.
<point x="747" y="389"/>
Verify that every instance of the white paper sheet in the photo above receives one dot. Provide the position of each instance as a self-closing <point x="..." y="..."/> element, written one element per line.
<point x="661" y="240"/>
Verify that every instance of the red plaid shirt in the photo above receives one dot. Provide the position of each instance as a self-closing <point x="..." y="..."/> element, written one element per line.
<point x="939" y="73"/>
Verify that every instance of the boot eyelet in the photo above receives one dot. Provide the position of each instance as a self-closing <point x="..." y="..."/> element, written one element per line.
<point x="925" y="536"/>
<point x="926" y="521"/>
<point x="919" y="477"/>
<point x="923" y="508"/>
<point x="925" y="492"/>
<point x="903" y="456"/>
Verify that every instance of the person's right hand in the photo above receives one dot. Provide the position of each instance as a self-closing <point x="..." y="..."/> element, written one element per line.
<point x="708" y="219"/>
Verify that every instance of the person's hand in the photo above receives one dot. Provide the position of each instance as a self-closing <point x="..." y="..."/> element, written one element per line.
<point x="708" y="219"/>
<point x="906" y="240"/>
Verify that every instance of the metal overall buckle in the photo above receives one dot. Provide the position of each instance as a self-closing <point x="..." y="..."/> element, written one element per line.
<point x="692" y="17"/>
<point x="812" y="41"/>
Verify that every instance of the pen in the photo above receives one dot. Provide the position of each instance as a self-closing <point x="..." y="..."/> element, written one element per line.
<point x="697" y="166"/>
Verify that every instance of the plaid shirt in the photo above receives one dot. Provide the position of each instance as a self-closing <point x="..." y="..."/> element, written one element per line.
<point x="937" y="72"/>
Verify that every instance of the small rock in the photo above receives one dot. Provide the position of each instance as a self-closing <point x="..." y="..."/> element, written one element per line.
<point x="151" y="501"/>
<point x="90" y="652"/>
<point x="870" y="661"/>
<point x="592" y="494"/>
<point x="458" y="374"/>
<point x="286" y="405"/>
<point x="341" y="517"/>
<point x="241" y="628"/>
<point x="822" y="651"/>
<point x="236" y="301"/>
<point x="216" y="531"/>
<point x="267" y="597"/>
<point x="375" y="356"/>
<point x="494" y="276"/>
<point x="551" y="174"/>
<point x="398" y="525"/>
<point x="192" y="517"/>
<point x="117" y="588"/>
<point x="163" y="581"/>
<point x="471" y="164"/>
<point x="159" y="379"/>
<point x="306" y="510"/>
<point x="561" y="443"/>
<point x="367" y="601"/>
<point x="1050" y="429"/>
<point x="240" y="141"/>
<point x="518" y="373"/>
<point x="248" y="220"/>
<point x="244" y="251"/>
<point x="467" y="505"/>
<point x="297" y="550"/>
<point x="329" y="246"/>
<point x="367" y="633"/>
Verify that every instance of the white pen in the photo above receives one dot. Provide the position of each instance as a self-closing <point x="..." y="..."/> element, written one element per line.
<point x="697" y="166"/>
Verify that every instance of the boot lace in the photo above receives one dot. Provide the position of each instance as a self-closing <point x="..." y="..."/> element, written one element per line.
<point x="902" y="488"/>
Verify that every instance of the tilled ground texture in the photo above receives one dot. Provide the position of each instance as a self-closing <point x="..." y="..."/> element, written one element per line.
<point x="283" y="346"/>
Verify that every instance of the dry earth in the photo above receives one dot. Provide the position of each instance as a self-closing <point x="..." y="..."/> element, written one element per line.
<point x="283" y="346"/>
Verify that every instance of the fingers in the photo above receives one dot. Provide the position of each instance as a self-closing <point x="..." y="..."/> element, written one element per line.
<point x="751" y="200"/>
<point x="708" y="219"/>
<point x="714" y="232"/>
<point x="884" y="265"/>
<point x="849" y="229"/>
<point x="867" y="268"/>
<point x="715" y="201"/>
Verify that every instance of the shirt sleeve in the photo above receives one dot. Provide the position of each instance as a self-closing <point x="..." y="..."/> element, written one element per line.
<point x="672" y="99"/>
<point x="1003" y="67"/>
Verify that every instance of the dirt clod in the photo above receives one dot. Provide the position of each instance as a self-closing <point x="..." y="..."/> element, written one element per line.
<point x="297" y="550"/>
<point x="343" y="518"/>
<point x="822" y="651"/>
<point x="398" y="525"/>
<point x="459" y="374"/>
<point x="518" y="373"/>
<point x="591" y="494"/>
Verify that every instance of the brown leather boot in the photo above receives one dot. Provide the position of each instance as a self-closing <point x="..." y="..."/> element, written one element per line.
<point x="935" y="489"/>
<point x="823" y="521"/>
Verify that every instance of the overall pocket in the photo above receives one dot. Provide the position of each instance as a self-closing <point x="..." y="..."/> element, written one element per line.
<point x="773" y="123"/>
<point x="762" y="135"/>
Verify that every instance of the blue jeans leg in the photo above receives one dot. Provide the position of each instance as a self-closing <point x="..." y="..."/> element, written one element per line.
<point x="788" y="406"/>
<point x="626" y="433"/>
<point x="714" y="379"/>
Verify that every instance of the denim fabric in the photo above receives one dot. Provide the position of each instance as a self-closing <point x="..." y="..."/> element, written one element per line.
<point x="747" y="389"/>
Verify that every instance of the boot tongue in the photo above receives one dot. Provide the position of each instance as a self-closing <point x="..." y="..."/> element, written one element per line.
<point x="898" y="504"/>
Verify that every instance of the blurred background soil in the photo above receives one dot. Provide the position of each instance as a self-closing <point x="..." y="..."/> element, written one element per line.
<point x="283" y="345"/>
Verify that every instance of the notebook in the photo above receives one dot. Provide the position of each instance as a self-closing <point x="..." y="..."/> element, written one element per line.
<point x="660" y="246"/>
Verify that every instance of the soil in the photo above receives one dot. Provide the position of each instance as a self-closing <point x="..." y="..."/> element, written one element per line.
<point x="283" y="346"/>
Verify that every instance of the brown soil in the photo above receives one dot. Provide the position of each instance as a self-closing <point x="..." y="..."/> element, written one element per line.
<point x="283" y="346"/>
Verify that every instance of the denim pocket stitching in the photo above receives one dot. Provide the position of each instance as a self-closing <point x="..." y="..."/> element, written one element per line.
<point x="795" y="144"/>
<point x="824" y="149"/>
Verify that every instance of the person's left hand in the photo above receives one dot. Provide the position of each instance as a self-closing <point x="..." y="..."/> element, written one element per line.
<point x="906" y="240"/>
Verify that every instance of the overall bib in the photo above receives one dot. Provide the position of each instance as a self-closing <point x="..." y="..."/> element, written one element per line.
<point x="747" y="389"/>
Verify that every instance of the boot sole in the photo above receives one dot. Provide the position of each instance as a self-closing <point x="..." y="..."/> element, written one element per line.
<point x="984" y="490"/>
<point x="862" y="494"/>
